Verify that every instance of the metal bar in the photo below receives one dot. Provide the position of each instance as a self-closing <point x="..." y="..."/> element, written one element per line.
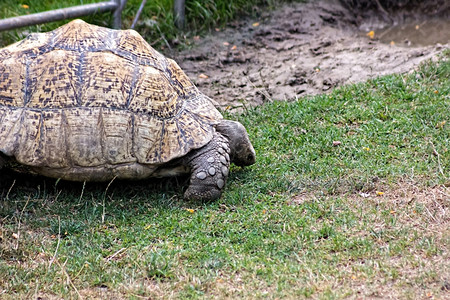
<point x="117" y="15"/>
<point x="138" y="14"/>
<point x="58" y="14"/>
<point x="179" y="13"/>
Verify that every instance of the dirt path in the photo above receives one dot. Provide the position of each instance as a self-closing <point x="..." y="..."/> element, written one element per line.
<point x="299" y="49"/>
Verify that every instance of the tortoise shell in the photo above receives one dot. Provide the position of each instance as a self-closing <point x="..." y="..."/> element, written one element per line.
<point x="84" y="96"/>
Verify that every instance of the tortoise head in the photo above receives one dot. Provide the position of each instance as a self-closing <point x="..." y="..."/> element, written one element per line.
<point x="241" y="149"/>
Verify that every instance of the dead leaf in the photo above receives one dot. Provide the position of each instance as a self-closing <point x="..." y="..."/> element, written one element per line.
<point x="196" y="38"/>
<point x="234" y="47"/>
<point x="256" y="24"/>
<point x="441" y="124"/>
<point x="371" y="34"/>
<point x="203" y="76"/>
<point x="15" y="235"/>
<point x="226" y="44"/>
<point x="217" y="29"/>
<point x="392" y="43"/>
<point x="25" y="6"/>
<point x="336" y="143"/>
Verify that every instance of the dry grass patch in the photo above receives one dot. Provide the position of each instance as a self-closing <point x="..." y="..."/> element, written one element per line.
<point x="410" y="227"/>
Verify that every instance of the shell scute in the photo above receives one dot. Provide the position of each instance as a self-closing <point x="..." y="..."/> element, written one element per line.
<point x="192" y="130"/>
<point x="117" y="136"/>
<point x="52" y="80"/>
<point x="107" y="80"/>
<point x="9" y="134"/>
<point x="130" y="45"/>
<point x="33" y="45"/>
<point x="12" y="78"/>
<point x="181" y="81"/>
<point x="154" y="95"/>
<point x="147" y="138"/>
<point x="83" y="136"/>
<point x="80" y="36"/>
<point x="29" y="141"/>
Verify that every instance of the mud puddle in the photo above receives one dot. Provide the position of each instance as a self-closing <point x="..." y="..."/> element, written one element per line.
<point x="418" y="33"/>
<point x="299" y="49"/>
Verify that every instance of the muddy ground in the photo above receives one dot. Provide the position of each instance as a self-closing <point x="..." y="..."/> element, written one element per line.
<point x="304" y="49"/>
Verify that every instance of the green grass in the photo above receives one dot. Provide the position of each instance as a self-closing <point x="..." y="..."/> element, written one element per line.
<point x="291" y="226"/>
<point x="157" y="19"/>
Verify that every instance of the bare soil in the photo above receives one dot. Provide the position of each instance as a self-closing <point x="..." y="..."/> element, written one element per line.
<point x="305" y="49"/>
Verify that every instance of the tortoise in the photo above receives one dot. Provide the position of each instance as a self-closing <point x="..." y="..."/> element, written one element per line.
<point x="87" y="103"/>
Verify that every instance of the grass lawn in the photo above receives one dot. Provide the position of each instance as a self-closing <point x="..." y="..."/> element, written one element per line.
<point x="349" y="198"/>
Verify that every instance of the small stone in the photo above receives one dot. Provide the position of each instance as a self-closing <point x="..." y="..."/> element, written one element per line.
<point x="210" y="159"/>
<point x="225" y="146"/>
<point x="201" y="175"/>
<point x="224" y="171"/>
<point x="223" y="160"/>
<point x="227" y="156"/>
<point x="220" y="183"/>
<point x="212" y="171"/>
<point x="221" y="151"/>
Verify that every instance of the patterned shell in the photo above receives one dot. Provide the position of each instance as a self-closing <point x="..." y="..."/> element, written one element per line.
<point x="86" y="96"/>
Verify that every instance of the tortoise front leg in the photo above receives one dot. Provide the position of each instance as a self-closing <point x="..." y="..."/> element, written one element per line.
<point x="209" y="169"/>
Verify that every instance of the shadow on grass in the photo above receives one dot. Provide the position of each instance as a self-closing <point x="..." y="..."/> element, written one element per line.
<point x="41" y="196"/>
<point x="65" y="207"/>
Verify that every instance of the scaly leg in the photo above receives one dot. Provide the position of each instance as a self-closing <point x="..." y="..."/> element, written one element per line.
<point x="209" y="169"/>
